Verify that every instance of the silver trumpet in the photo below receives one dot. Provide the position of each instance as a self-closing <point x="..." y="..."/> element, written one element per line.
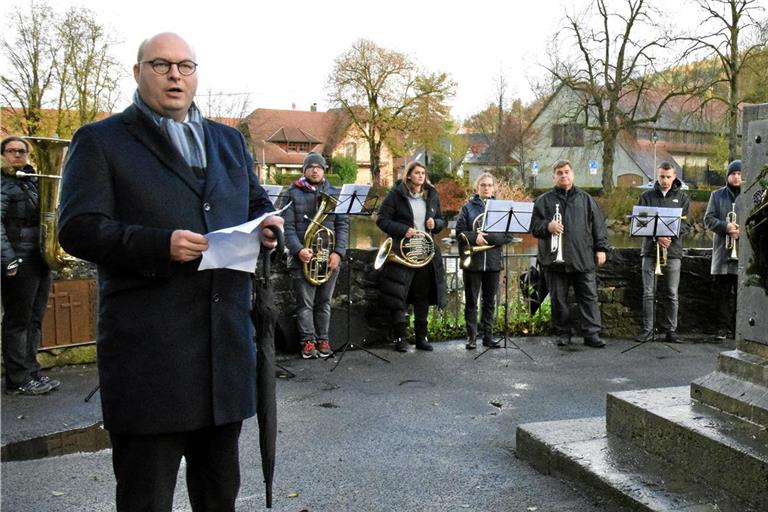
<point x="557" y="240"/>
<point x="731" y="243"/>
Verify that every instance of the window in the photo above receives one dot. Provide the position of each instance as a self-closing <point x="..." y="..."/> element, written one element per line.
<point x="567" y="135"/>
<point x="350" y="150"/>
<point x="298" y="147"/>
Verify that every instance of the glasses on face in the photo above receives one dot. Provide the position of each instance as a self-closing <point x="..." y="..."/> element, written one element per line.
<point x="20" y="151"/>
<point x="162" y="66"/>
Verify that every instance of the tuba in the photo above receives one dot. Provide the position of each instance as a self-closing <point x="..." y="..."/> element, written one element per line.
<point x="731" y="243"/>
<point x="322" y="242"/>
<point x="557" y="240"/>
<point x="415" y="252"/>
<point x="466" y="250"/>
<point x="50" y="154"/>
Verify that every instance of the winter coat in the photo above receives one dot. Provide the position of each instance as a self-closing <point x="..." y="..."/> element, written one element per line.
<point x="675" y="198"/>
<point x="20" y="229"/>
<point x="304" y="204"/>
<point x="484" y="261"/>
<point x="394" y="217"/>
<point x="175" y="344"/>
<point x="584" y="234"/>
<point x="719" y="206"/>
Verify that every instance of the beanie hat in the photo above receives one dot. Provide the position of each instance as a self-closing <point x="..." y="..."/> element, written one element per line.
<point x="313" y="159"/>
<point x="734" y="166"/>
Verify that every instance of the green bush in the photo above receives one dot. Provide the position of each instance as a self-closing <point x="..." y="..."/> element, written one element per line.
<point x="345" y="168"/>
<point x="618" y="204"/>
<point x="700" y="194"/>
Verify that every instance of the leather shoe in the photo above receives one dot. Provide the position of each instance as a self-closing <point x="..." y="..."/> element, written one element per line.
<point x="401" y="345"/>
<point x="594" y="342"/>
<point x="563" y="340"/>
<point x="492" y="343"/>
<point x="671" y="337"/>
<point x="422" y="343"/>
<point x="644" y="336"/>
<point x="471" y="345"/>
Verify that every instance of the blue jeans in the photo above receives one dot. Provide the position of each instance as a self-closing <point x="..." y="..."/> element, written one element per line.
<point x="313" y="305"/>
<point x="666" y="289"/>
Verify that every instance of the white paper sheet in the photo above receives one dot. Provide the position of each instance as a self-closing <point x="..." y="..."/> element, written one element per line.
<point x="236" y="247"/>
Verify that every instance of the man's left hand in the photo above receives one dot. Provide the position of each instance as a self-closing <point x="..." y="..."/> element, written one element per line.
<point x="334" y="260"/>
<point x="600" y="258"/>
<point x="268" y="238"/>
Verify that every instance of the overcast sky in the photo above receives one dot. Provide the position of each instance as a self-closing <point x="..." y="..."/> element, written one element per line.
<point x="281" y="52"/>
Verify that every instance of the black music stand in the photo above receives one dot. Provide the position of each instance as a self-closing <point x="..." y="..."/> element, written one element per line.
<point x="654" y="222"/>
<point x="352" y="202"/>
<point x="502" y="216"/>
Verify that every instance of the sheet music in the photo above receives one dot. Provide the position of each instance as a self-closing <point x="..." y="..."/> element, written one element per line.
<point x="273" y="191"/>
<point x="644" y="221"/>
<point x="351" y="198"/>
<point x="500" y="213"/>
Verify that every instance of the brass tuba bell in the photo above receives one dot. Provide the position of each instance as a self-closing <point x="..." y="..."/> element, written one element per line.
<point x="50" y="153"/>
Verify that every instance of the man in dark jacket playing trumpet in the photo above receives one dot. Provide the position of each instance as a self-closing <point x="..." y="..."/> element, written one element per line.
<point x="583" y="246"/>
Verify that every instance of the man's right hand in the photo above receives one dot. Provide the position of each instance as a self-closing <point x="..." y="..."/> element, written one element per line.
<point x="305" y="255"/>
<point x="187" y="245"/>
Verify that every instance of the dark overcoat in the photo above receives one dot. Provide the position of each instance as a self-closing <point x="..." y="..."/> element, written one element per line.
<point x="20" y="228"/>
<point x="175" y="345"/>
<point x="720" y="205"/>
<point x="394" y="217"/>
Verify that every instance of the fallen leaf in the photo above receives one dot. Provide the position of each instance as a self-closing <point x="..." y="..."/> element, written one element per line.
<point x="293" y="495"/>
<point x="57" y="493"/>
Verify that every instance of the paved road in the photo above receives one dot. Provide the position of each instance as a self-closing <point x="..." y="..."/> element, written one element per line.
<point x="428" y="432"/>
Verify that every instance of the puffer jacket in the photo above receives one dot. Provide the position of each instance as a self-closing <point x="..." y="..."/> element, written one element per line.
<point x="484" y="261"/>
<point x="584" y="234"/>
<point x="304" y="205"/>
<point x="20" y="231"/>
<point x="675" y="198"/>
<point x="394" y="217"/>
<point x="719" y="206"/>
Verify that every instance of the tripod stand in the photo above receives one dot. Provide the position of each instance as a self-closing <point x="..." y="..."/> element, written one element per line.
<point x="647" y="220"/>
<point x="506" y="217"/>
<point x="355" y="206"/>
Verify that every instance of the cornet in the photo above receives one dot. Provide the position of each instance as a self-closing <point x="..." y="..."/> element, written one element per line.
<point x="731" y="244"/>
<point x="557" y="240"/>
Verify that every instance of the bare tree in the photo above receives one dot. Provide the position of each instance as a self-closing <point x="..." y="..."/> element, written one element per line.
<point x="721" y="36"/>
<point x="31" y="56"/>
<point x="225" y="107"/>
<point x="612" y="71"/>
<point x="385" y="94"/>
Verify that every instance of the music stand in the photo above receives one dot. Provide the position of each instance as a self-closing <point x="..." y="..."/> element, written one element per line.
<point x="273" y="192"/>
<point x="655" y="222"/>
<point x="352" y="202"/>
<point x="504" y="216"/>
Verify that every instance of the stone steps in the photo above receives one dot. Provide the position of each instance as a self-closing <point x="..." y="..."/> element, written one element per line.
<point x="582" y="452"/>
<point x="700" y="440"/>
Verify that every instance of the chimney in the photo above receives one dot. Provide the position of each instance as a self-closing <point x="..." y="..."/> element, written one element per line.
<point x="313" y="108"/>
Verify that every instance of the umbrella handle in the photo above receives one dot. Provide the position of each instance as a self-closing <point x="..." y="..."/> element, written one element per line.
<point x="280" y="236"/>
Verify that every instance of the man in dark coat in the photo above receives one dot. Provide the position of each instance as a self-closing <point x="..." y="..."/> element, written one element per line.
<point x="175" y="345"/>
<point x="313" y="308"/>
<point x="26" y="278"/>
<point x="400" y="285"/>
<point x="667" y="192"/>
<point x="584" y="246"/>
<point x="724" y="268"/>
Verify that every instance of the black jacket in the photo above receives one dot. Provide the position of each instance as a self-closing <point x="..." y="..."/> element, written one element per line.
<point x="584" y="234"/>
<point x="304" y="204"/>
<point x="20" y="230"/>
<point x="485" y="261"/>
<point x="394" y="217"/>
<point x="675" y="198"/>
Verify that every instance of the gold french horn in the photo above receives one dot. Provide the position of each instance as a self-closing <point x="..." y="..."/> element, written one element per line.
<point x="466" y="249"/>
<point x="415" y="252"/>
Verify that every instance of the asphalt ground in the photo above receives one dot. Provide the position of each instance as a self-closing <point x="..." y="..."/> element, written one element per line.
<point x="426" y="432"/>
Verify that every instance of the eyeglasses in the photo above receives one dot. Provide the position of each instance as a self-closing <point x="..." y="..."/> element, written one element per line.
<point x="16" y="151"/>
<point x="162" y="67"/>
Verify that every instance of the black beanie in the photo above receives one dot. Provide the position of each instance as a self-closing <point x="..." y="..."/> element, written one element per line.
<point x="734" y="166"/>
<point x="313" y="159"/>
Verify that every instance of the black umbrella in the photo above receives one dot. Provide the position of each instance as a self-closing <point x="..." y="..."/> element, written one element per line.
<point x="264" y="317"/>
<point x="534" y="288"/>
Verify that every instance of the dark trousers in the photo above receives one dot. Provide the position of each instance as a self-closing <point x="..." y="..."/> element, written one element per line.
<point x="419" y="293"/>
<point x="25" y="297"/>
<point x="146" y="466"/>
<point x="726" y="288"/>
<point x="480" y="286"/>
<point x="585" y="288"/>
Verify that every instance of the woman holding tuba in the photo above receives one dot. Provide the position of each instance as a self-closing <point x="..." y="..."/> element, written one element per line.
<point x="481" y="274"/>
<point x="411" y="213"/>
<point x="317" y="241"/>
<point x="26" y="279"/>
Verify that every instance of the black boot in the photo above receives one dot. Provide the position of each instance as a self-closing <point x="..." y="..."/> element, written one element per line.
<point x="400" y="343"/>
<point x="422" y="343"/>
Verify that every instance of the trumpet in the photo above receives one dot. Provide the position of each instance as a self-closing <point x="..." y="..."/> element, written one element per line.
<point x="557" y="240"/>
<point x="466" y="250"/>
<point x="731" y="243"/>
<point x="661" y="258"/>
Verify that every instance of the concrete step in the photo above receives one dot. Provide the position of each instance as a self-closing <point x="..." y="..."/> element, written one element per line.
<point x="711" y="446"/>
<point x="733" y="395"/>
<point x="744" y="365"/>
<point x="582" y="452"/>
